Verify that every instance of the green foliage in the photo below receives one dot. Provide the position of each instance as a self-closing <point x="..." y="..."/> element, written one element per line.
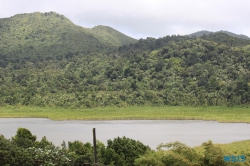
<point x="227" y="38"/>
<point x="45" y="153"/>
<point x="203" y="33"/>
<point x="84" y="152"/>
<point x="12" y="154"/>
<point x="47" y="61"/>
<point x="151" y="159"/>
<point x="43" y="143"/>
<point x="24" y="138"/>
<point x="123" y="151"/>
<point x="218" y="113"/>
<point x="206" y="155"/>
<point x="119" y="151"/>
<point x="111" y="36"/>
<point x="51" y="155"/>
<point x="39" y="37"/>
<point x="180" y="154"/>
<point x="213" y="155"/>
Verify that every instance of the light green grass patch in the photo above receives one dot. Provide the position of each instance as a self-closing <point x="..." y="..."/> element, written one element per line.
<point x="219" y="113"/>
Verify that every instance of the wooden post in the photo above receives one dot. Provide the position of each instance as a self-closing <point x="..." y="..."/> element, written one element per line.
<point x="94" y="143"/>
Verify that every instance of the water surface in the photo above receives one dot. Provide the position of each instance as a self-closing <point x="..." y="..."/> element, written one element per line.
<point x="149" y="132"/>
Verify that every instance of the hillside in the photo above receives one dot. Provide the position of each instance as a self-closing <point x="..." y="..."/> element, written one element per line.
<point x="44" y="61"/>
<point x="151" y="44"/>
<point x="111" y="36"/>
<point x="39" y="36"/>
<point x="235" y="35"/>
<point x="204" y="32"/>
<point x="193" y="72"/>
<point x="200" y="33"/>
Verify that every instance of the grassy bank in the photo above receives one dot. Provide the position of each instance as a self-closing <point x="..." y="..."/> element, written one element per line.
<point x="218" y="113"/>
<point x="234" y="148"/>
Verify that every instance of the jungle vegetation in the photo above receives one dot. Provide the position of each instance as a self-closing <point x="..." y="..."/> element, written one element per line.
<point x="46" y="60"/>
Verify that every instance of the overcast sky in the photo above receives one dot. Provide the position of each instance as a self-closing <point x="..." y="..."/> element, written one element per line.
<point x="144" y="18"/>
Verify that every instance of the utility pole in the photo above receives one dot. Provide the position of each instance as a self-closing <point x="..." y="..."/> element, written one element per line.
<point x="94" y="143"/>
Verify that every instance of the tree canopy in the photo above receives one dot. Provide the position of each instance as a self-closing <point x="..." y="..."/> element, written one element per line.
<point x="77" y="67"/>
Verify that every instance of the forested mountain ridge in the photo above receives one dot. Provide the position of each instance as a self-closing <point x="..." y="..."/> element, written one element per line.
<point x="204" y="32"/>
<point x="39" y="36"/>
<point x="172" y="70"/>
<point x="150" y="44"/>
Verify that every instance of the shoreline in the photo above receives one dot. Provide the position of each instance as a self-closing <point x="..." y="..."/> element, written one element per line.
<point x="221" y="114"/>
<point x="121" y="119"/>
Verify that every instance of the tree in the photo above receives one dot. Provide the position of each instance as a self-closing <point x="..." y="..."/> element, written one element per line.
<point x="159" y="66"/>
<point x="84" y="152"/>
<point x="213" y="155"/>
<point x="24" y="138"/>
<point x="179" y="154"/>
<point x="242" y="89"/>
<point x="11" y="154"/>
<point x="124" y="151"/>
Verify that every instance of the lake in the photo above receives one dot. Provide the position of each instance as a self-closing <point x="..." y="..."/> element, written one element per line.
<point x="149" y="132"/>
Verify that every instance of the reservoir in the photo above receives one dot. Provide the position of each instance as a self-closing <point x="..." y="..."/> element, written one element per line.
<point x="149" y="132"/>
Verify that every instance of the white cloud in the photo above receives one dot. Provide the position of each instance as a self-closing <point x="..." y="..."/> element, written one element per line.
<point x="142" y="18"/>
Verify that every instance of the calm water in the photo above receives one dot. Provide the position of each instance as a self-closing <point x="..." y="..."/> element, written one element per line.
<point x="149" y="132"/>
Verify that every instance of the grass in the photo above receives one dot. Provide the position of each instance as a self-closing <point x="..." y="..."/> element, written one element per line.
<point x="216" y="113"/>
<point x="233" y="148"/>
<point x="238" y="148"/>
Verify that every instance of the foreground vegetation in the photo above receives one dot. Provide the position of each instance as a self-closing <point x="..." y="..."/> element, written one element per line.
<point x="24" y="149"/>
<point x="217" y="113"/>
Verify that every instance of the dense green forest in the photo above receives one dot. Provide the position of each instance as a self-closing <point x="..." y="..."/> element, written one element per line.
<point x="46" y="36"/>
<point x="46" y="60"/>
<point x="24" y="149"/>
<point x="201" y="33"/>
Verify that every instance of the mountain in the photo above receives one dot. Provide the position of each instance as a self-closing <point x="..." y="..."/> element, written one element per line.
<point x="111" y="36"/>
<point x="151" y="44"/>
<point x="46" y="60"/>
<point x="235" y="35"/>
<point x="204" y="32"/>
<point x="176" y="70"/>
<point x="50" y="35"/>
<point x="199" y="33"/>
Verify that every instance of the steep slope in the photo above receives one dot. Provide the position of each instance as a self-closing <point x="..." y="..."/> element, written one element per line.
<point x="39" y="36"/>
<point x="111" y="36"/>
<point x="184" y="72"/>
<point x="44" y="62"/>
<point x="44" y="34"/>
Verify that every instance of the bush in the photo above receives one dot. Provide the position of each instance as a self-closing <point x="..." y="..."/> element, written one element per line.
<point x="123" y="151"/>
<point x="24" y="138"/>
<point x="213" y="155"/>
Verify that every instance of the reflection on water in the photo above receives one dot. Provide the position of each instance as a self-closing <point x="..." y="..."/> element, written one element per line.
<point x="149" y="132"/>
